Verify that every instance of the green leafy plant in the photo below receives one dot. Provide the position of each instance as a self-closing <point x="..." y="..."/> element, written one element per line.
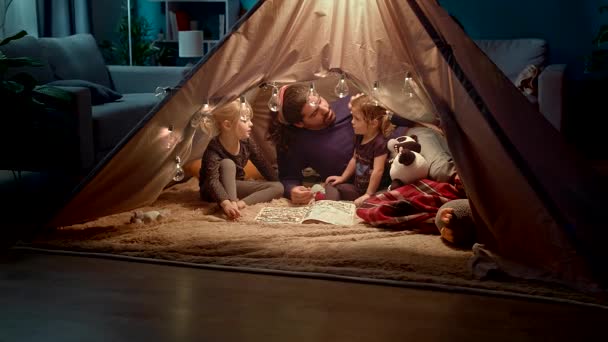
<point x="144" y="50"/>
<point x="22" y="90"/>
<point x="598" y="59"/>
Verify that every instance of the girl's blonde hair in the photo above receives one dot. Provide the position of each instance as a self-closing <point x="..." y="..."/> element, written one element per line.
<point x="212" y="125"/>
<point x="372" y="111"/>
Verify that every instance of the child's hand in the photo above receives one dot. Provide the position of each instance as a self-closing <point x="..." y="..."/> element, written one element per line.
<point x="231" y="209"/>
<point x="301" y="195"/>
<point x="334" y="180"/>
<point x="361" y="199"/>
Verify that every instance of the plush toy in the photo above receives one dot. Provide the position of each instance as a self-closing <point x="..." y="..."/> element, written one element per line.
<point x="318" y="192"/>
<point x="147" y="216"/>
<point x="407" y="164"/>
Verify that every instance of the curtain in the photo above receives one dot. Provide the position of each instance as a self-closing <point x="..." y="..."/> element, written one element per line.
<point x="58" y="18"/>
<point x="17" y="15"/>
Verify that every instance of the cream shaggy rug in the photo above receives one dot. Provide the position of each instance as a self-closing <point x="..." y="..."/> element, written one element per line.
<point x="196" y="232"/>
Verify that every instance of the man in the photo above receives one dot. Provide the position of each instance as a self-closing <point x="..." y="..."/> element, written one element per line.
<point x="305" y="135"/>
<point x="322" y="137"/>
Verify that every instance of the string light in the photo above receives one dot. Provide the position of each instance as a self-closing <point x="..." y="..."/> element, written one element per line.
<point x="200" y="115"/>
<point x="408" y="89"/>
<point x="161" y="92"/>
<point x="273" y="102"/>
<point x="313" y="96"/>
<point x="245" y="110"/>
<point x="179" y="171"/>
<point x="341" y="88"/>
<point x="170" y="136"/>
<point x="376" y="93"/>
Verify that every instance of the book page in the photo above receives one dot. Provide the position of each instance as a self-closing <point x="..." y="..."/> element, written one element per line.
<point x="283" y="214"/>
<point x="332" y="212"/>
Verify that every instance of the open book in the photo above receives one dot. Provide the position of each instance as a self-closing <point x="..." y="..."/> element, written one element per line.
<point x="332" y="212"/>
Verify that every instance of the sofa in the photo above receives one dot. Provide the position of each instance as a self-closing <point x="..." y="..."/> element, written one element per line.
<point x="514" y="56"/>
<point x="109" y="99"/>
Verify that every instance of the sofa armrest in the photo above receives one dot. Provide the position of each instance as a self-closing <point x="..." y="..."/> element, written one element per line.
<point x="50" y="140"/>
<point x="83" y="115"/>
<point x="551" y="94"/>
<point x="144" y="79"/>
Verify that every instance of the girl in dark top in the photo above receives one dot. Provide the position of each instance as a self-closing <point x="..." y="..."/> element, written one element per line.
<point x="222" y="175"/>
<point x="366" y="167"/>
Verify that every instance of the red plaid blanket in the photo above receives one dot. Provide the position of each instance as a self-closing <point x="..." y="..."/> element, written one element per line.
<point x="408" y="206"/>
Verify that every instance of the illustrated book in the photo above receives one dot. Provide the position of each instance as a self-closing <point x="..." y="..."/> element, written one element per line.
<point x="324" y="211"/>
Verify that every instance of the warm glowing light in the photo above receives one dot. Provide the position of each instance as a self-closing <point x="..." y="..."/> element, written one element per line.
<point x="313" y="96"/>
<point x="273" y="102"/>
<point x="341" y="88"/>
<point x="179" y="171"/>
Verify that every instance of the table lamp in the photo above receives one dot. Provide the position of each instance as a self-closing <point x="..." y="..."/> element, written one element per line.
<point x="190" y="43"/>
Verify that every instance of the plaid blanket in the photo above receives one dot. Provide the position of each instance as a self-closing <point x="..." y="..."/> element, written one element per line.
<point x="409" y="206"/>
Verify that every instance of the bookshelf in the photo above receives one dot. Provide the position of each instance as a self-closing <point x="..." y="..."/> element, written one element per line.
<point x="206" y="15"/>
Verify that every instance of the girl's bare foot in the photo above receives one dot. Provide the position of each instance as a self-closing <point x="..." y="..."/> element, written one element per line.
<point x="241" y="204"/>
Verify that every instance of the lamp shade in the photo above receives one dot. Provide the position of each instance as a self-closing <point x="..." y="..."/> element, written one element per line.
<point x="190" y="43"/>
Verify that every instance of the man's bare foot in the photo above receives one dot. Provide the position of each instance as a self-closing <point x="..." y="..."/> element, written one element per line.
<point x="455" y="223"/>
<point x="241" y="204"/>
<point x="445" y="216"/>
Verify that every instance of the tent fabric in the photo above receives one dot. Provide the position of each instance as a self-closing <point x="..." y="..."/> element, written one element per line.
<point x="535" y="201"/>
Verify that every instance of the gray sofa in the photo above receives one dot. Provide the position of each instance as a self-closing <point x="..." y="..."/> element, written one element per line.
<point x="110" y="100"/>
<point x="512" y="56"/>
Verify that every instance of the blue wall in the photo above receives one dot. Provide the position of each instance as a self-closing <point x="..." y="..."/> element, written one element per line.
<point x="567" y="25"/>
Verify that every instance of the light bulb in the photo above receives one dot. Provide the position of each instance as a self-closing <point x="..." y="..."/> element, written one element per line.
<point x="171" y="137"/>
<point x="376" y="93"/>
<point x="161" y="92"/>
<point x="245" y="110"/>
<point x="341" y="88"/>
<point x="273" y="102"/>
<point x="179" y="171"/>
<point x="408" y="89"/>
<point x="313" y="96"/>
<point x="200" y="115"/>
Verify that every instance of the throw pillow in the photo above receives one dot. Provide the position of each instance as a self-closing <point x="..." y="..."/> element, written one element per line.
<point x="99" y="94"/>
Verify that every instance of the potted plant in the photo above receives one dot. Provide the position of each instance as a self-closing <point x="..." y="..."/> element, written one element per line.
<point x="597" y="61"/>
<point x="144" y="50"/>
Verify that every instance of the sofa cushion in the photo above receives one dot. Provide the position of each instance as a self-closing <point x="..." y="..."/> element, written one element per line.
<point x="99" y="94"/>
<point x="112" y="121"/>
<point x="514" y="55"/>
<point x="76" y="57"/>
<point x="29" y="46"/>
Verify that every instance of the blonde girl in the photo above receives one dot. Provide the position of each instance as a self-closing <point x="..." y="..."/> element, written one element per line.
<point x="366" y="168"/>
<point x="222" y="175"/>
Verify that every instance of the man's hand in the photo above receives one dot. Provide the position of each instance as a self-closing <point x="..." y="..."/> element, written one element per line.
<point x="334" y="180"/>
<point x="301" y="195"/>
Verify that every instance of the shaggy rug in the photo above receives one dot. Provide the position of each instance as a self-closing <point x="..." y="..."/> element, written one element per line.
<point x="196" y="232"/>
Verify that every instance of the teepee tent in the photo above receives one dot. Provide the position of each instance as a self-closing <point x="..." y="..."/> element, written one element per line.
<point x="536" y="203"/>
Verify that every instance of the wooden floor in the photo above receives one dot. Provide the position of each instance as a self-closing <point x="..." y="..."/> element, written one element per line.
<point x="70" y="298"/>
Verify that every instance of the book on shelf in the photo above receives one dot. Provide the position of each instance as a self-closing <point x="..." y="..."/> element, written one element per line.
<point x="172" y="29"/>
<point x="222" y="28"/>
<point x="324" y="211"/>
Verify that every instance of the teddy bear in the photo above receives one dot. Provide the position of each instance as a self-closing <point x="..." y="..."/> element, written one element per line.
<point x="147" y="216"/>
<point x="407" y="165"/>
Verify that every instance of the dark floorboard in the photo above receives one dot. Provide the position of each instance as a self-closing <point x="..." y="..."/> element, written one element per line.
<point x="66" y="298"/>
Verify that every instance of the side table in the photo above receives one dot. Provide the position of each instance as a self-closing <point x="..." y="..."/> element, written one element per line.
<point x="586" y="112"/>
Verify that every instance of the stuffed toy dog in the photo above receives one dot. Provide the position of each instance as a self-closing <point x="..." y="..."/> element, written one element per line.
<point x="407" y="164"/>
<point x="148" y="216"/>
